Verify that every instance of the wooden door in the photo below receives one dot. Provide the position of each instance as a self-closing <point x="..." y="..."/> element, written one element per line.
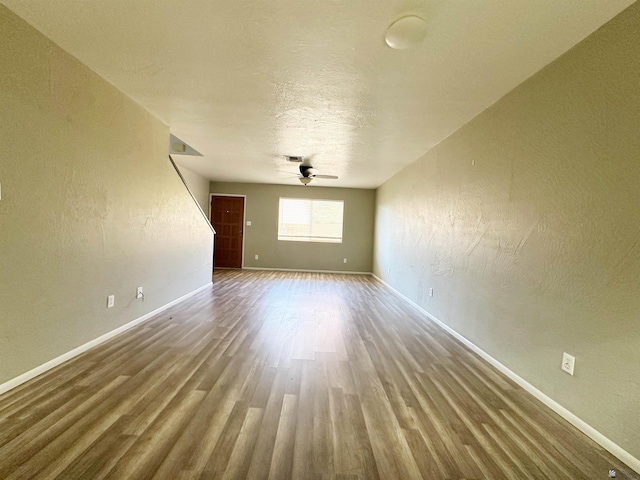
<point x="227" y="217"/>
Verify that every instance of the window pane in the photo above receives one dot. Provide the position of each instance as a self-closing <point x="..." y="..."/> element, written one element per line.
<point x="309" y="220"/>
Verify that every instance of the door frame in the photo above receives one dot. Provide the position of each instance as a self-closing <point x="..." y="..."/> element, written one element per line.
<point x="244" y="217"/>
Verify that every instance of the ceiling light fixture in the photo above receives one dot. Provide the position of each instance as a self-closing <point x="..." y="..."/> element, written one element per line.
<point x="406" y="32"/>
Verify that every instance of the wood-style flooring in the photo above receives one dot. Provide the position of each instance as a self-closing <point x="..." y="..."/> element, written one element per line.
<point x="273" y="375"/>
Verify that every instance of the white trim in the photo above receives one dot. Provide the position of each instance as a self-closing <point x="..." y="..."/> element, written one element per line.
<point x="577" y="422"/>
<point x="5" y="387"/>
<point x="305" y="271"/>
<point x="244" y="219"/>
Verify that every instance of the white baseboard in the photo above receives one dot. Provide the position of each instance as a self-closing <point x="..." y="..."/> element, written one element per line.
<point x="5" y="387"/>
<point x="305" y="271"/>
<point x="577" y="422"/>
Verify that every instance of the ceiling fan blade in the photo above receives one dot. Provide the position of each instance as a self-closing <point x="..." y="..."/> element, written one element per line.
<point x="329" y="177"/>
<point x="287" y="174"/>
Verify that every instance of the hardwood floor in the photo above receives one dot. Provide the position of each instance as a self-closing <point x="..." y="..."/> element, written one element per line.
<point x="287" y="376"/>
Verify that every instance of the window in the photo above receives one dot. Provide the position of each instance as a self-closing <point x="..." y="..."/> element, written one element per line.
<point x="310" y="220"/>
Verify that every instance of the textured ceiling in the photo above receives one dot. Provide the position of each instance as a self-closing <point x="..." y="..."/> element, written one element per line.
<point x="247" y="81"/>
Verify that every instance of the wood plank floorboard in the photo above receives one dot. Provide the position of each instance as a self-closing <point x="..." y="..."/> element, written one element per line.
<point x="283" y="375"/>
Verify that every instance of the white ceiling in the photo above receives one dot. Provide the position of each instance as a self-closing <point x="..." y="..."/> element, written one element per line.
<point x="247" y="81"/>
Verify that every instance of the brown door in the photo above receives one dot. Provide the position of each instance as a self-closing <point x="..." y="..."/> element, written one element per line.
<point x="227" y="217"/>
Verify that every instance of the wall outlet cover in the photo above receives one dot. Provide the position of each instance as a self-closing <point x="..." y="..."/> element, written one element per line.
<point x="568" y="363"/>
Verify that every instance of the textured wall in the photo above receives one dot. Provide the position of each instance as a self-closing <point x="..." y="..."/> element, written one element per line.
<point x="261" y="237"/>
<point x="199" y="186"/>
<point x="535" y="249"/>
<point x="90" y="206"/>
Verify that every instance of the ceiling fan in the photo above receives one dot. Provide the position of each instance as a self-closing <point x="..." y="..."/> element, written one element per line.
<point x="307" y="172"/>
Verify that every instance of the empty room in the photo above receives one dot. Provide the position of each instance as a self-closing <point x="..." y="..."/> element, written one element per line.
<point x="320" y="240"/>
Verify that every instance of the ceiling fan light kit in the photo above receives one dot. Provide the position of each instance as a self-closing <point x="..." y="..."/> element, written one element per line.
<point x="406" y="32"/>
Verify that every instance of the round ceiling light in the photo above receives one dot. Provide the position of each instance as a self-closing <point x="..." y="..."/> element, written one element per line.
<point x="406" y="32"/>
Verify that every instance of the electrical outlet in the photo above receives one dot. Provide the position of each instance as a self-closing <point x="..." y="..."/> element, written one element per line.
<point x="111" y="301"/>
<point x="344" y="261"/>
<point x="431" y="292"/>
<point x="257" y="257"/>
<point x="139" y="293"/>
<point x="568" y="363"/>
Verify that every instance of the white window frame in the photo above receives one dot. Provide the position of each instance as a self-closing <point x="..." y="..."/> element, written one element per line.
<point x="309" y="238"/>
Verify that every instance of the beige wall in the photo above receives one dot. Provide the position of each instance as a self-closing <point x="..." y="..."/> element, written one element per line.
<point x="199" y="187"/>
<point x="535" y="250"/>
<point x="261" y="238"/>
<point x="90" y="206"/>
